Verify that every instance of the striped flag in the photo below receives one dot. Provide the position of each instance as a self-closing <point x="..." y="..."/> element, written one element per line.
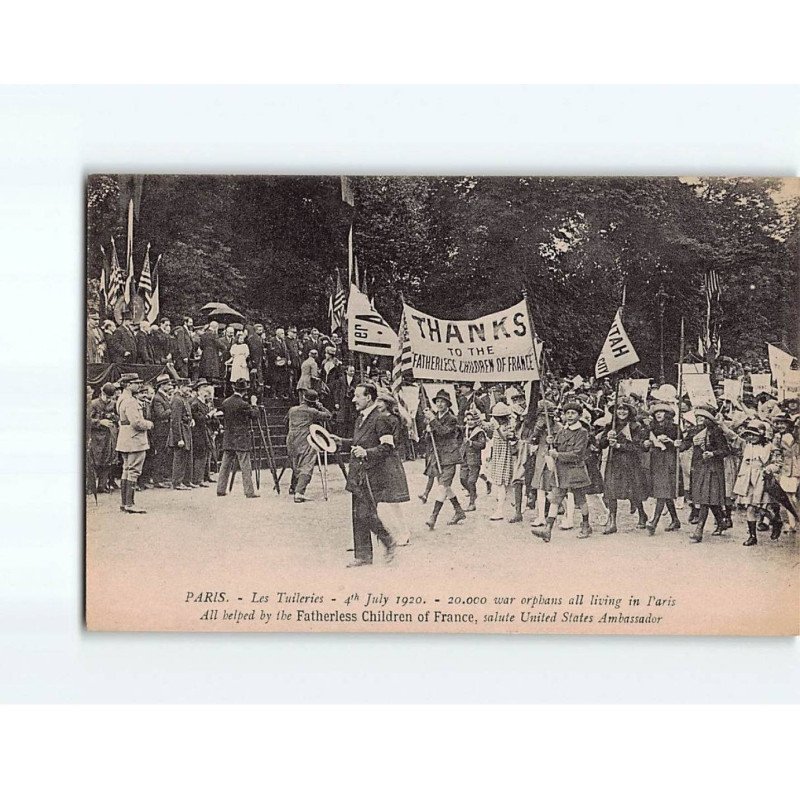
<point x="713" y="288"/>
<point x="151" y="314"/>
<point x="711" y="342"/>
<point x="114" y="290"/>
<point x="129" y="287"/>
<point x="337" y="305"/>
<point x="402" y="359"/>
<point x="146" y="283"/>
<point x="103" y="287"/>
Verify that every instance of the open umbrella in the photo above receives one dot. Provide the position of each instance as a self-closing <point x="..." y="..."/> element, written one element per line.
<point x="213" y="306"/>
<point x="226" y="314"/>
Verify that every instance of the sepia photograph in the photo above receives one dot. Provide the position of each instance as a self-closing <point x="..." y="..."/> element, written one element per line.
<point x="454" y="404"/>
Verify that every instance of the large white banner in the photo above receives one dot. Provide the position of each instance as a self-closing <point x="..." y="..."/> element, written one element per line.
<point x="618" y="351"/>
<point x="761" y="382"/>
<point x="640" y="386"/>
<point x="698" y="387"/>
<point x="367" y="330"/>
<point x="497" y="347"/>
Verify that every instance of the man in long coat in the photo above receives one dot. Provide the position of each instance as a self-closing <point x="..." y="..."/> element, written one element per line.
<point x="180" y="437"/>
<point x="371" y="445"/>
<point x="161" y="414"/>
<point x="302" y="455"/>
<point x="202" y="409"/>
<point x="237" y="414"/>
<point x="184" y="347"/>
<point x="210" y="366"/>
<point x="122" y="345"/>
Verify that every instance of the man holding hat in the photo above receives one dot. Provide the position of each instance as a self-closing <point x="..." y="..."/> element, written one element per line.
<point x="445" y="435"/>
<point x="201" y="406"/>
<point x="161" y="414"/>
<point x="180" y="436"/>
<point x="309" y="372"/>
<point x="302" y="455"/>
<point x="237" y="414"/>
<point x="132" y="441"/>
<point x="569" y="449"/>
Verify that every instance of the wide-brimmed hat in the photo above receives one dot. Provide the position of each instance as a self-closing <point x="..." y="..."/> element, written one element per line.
<point x="572" y="405"/>
<point x="665" y="407"/>
<point x="200" y="384"/>
<point x="704" y="412"/>
<point x="755" y="427"/>
<point x="546" y="404"/>
<point x="320" y="439"/>
<point x="472" y="414"/>
<point x="130" y="377"/>
<point x="310" y="395"/>
<point x="443" y="395"/>
<point x="387" y="398"/>
<point x="241" y="385"/>
<point x="164" y="380"/>
<point x="501" y="410"/>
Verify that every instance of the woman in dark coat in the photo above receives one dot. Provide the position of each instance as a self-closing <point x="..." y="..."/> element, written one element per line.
<point x="102" y="445"/>
<point x="708" y="470"/>
<point x="389" y="485"/>
<point x="624" y="478"/>
<point x="663" y="465"/>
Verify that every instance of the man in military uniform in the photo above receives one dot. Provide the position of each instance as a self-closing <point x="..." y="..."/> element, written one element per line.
<point x="180" y="436"/>
<point x="161" y="414"/>
<point x="236" y="439"/>
<point x="132" y="440"/>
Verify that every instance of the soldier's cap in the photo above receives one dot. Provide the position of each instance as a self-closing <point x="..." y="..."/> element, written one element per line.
<point x="130" y="377"/>
<point x="164" y="380"/>
<point x="109" y="388"/>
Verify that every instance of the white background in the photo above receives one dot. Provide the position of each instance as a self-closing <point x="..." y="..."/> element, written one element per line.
<point x="51" y="138"/>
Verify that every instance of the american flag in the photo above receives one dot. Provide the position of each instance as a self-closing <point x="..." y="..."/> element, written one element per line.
<point x="114" y="289"/>
<point x="151" y="313"/>
<point x="402" y="360"/>
<point x="337" y="305"/>
<point x="713" y="288"/>
<point x="146" y="283"/>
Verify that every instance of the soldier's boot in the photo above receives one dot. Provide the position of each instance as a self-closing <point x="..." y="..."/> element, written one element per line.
<point x="123" y="495"/>
<point x="131" y="507"/>
<point x="459" y="515"/>
<point x="752" y="538"/>
<point x="517" y="503"/>
<point x="586" y="529"/>
<point x="437" y="507"/>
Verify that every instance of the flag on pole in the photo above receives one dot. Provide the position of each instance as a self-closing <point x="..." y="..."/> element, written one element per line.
<point x="402" y="359"/>
<point x="114" y="290"/>
<point x="780" y="361"/>
<point x="103" y="287"/>
<point x="337" y="304"/>
<point x="711" y="343"/>
<point x="713" y="288"/>
<point x="151" y="315"/>
<point x="367" y="330"/>
<point x="618" y="351"/>
<point x="146" y="283"/>
<point x="129" y="289"/>
<point x="352" y="275"/>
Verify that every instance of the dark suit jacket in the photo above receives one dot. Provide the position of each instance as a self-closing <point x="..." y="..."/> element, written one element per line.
<point x="162" y="346"/>
<point x="144" y="348"/>
<point x="237" y="415"/>
<point x="161" y="414"/>
<point x="256" y="345"/>
<point x="122" y="347"/>
<point x="367" y="434"/>
<point x="184" y="345"/>
<point x="210" y="364"/>
<point x="179" y="428"/>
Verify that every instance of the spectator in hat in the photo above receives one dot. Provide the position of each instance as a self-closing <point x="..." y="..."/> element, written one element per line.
<point x="95" y="339"/>
<point x="302" y="456"/>
<point x="180" y="436"/>
<point x="444" y="435"/>
<point x="161" y="415"/>
<point x="281" y="364"/>
<point x="103" y="442"/>
<point x="201" y="406"/>
<point x="132" y="439"/>
<point x="237" y="414"/>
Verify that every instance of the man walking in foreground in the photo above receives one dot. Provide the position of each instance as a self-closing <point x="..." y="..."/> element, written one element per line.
<point x="372" y="443"/>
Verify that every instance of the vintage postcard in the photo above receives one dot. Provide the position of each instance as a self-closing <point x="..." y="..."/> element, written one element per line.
<point x="442" y="404"/>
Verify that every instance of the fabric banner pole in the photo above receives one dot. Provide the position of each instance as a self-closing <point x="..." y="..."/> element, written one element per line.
<point x="680" y="415"/>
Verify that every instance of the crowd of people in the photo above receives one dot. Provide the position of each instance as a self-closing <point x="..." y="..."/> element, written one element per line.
<point x="531" y="450"/>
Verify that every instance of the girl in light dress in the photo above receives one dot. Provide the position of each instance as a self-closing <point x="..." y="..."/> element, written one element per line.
<point x="240" y="352"/>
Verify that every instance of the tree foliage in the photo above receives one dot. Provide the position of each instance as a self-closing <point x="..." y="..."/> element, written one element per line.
<point x="458" y="247"/>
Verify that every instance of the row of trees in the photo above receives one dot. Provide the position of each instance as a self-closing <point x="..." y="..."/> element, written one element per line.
<point x="458" y="247"/>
